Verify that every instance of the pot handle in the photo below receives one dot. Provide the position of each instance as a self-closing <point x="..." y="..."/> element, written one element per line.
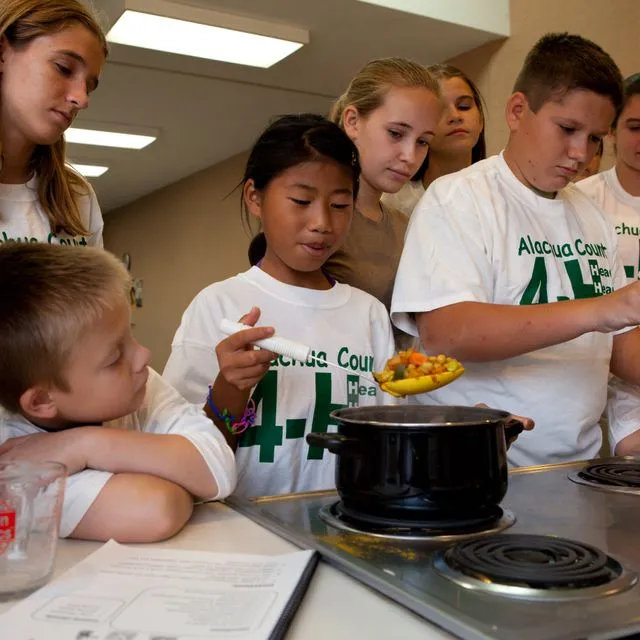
<point x="513" y="428"/>
<point x="334" y="442"/>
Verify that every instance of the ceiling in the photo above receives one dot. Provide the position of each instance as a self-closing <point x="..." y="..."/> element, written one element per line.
<point x="206" y="111"/>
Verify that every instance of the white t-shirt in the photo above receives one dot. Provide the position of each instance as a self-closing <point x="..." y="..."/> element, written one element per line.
<point x="343" y="325"/>
<point x="163" y="411"/>
<point x="480" y="235"/>
<point x="23" y="220"/>
<point x="406" y="199"/>
<point x="623" y="209"/>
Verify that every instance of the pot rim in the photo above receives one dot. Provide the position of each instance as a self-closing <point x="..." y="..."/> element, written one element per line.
<point x="485" y="416"/>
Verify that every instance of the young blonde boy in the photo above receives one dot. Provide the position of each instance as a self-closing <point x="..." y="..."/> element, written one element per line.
<point x="76" y="388"/>
<point x="511" y="269"/>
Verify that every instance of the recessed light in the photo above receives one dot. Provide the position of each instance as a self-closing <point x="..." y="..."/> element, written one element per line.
<point x="107" y="138"/>
<point x="89" y="170"/>
<point x="222" y="43"/>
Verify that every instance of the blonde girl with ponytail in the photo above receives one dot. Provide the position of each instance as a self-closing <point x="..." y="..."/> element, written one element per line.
<point x="390" y="110"/>
<point x="51" y="56"/>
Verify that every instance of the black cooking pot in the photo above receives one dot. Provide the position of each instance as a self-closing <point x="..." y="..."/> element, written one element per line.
<point x="419" y="462"/>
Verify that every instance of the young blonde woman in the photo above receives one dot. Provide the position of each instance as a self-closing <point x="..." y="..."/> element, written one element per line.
<point x="51" y="56"/>
<point x="390" y="111"/>
<point x="459" y="139"/>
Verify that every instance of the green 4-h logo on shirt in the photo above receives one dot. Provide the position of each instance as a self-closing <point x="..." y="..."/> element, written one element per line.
<point x="536" y="290"/>
<point x="268" y="435"/>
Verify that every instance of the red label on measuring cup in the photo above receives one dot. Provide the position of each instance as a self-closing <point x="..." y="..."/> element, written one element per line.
<point x="7" y="526"/>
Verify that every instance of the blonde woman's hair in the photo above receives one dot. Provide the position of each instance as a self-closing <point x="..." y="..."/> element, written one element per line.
<point x="367" y="90"/>
<point x="52" y="295"/>
<point x="21" y="21"/>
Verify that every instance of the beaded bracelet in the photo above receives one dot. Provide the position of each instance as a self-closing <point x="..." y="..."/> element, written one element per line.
<point x="235" y="427"/>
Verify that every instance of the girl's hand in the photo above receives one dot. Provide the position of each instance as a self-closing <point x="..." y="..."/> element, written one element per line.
<point x="240" y="364"/>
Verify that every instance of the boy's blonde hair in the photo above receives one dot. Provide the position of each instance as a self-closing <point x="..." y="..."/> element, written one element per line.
<point x="50" y="295"/>
<point x="367" y="90"/>
<point x="21" y="21"/>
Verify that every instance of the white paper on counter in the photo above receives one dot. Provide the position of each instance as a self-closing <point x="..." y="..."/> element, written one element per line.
<point x="141" y="593"/>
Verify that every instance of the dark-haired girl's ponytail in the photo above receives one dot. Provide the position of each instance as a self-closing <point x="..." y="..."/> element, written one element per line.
<point x="257" y="249"/>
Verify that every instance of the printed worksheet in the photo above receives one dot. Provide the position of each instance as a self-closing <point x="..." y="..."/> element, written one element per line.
<point x="129" y="593"/>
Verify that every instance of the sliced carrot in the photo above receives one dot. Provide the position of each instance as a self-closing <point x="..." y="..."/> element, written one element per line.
<point x="417" y="358"/>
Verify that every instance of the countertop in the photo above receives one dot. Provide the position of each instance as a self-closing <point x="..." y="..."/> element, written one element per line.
<point x="335" y="606"/>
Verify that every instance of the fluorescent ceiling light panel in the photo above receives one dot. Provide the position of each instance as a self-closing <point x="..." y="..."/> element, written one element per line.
<point x="89" y="170"/>
<point x="172" y="35"/>
<point x="75" y="135"/>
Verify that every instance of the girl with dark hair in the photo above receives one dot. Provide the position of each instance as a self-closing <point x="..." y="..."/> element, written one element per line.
<point x="458" y="141"/>
<point x="617" y="192"/>
<point x="301" y="182"/>
<point x="51" y="57"/>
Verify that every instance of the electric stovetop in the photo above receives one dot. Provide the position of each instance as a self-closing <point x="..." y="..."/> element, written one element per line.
<point x="562" y="563"/>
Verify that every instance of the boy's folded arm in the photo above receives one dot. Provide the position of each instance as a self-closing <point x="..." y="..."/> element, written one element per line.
<point x="171" y="457"/>
<point x="483" y="332"/>
<point x="135" y="507"/>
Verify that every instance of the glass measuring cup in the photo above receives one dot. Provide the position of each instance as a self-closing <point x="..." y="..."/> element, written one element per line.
<point x="31" y="495"/>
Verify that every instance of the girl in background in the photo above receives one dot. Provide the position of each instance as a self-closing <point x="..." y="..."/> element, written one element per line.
<point x="300" y="181"/>
<point x="617" y="192"/>
<point x="51" y="56"/>
<point x="459" y="139"/>
<point x="390" y="111"/>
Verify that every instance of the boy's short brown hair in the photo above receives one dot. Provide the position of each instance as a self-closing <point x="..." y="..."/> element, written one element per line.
<point x="50" y="295"/>
<point x="563" y="62"/>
